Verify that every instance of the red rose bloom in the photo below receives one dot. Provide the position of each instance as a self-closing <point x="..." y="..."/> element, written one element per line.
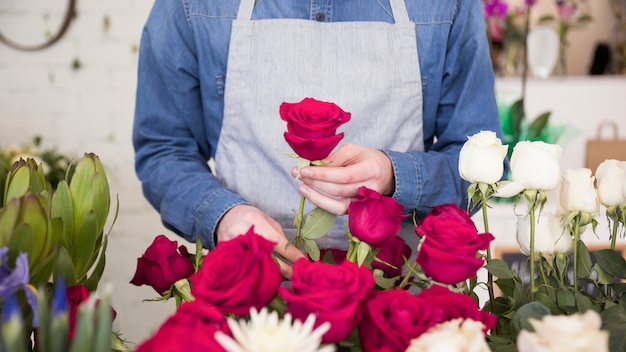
<point x="447" y="252"/>
<point x="457" y="305"/>
<point x="332" y="292"/>
<point x="239" y="274"/>
<point x="312" y="127"/>
<point x="374" y="218"/>
<point x="162" y="265"/>
<point x="190" y="329"/>
<point x="76" y="295"/>
<point x="392" y="318"/>
<point x="392" y="252"/>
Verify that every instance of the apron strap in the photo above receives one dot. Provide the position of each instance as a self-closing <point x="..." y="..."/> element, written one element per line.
<point x="398" y="10"/>
<point x="245" y="9"/>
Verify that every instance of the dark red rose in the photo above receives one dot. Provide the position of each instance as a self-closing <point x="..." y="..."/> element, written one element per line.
<point x="191" y="329"/>
<point x="312" y="127"/>
<point x="337" y="255"/>
<point x="457" y="305"/>
<point x="393" y="317"/>
<point x="450" y="242"/>
<point x="392" y="252"/>
<point x="76" y="295"/>
<point x="239" y="274"/>
<point x="374" y="218"/>
<point x="162" y="265"/>
<point x="332" y="292"/>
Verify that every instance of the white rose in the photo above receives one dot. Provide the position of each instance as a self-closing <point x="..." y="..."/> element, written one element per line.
<point x="578" y="192"/>
<point x="481" y="159"/>
<point x="550" y="237"/>
<point x="456" y="335"/>
<point x="611" y="178"/>
<point x="571" y="333"/>
<point x="534" y="166"/>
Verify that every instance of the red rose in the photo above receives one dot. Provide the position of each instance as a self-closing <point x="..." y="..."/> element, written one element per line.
<point x="392" y="318"/>
<point x="374" y="218"/>
<point x="332" y="292"/>
<point x="162" y="265"/>
<point x="392" y="252"/>
<point x="447" y="252"/>
<point x="76" y="295"/>
<point x="457" y="305"/>
<point x="190" y="329"/>
<point x="239" y="274"/>
<point x="337" y="255"/>
<point x="312" y="127"/>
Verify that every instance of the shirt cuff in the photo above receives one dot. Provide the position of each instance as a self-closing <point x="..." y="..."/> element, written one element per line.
<point x="409" y="184"/>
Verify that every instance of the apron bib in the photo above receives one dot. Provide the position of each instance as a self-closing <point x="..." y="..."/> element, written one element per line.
<point x="369" y="69"/>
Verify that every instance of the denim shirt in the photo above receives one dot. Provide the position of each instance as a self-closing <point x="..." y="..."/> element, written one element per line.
<point x="180" y="101"/>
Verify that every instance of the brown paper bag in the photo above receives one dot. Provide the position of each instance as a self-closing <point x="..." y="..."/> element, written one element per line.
<point x="601" y="149"/>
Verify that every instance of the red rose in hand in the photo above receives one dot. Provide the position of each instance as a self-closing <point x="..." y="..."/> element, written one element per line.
<point x="447" y="252"/>
<point x="190" y="329"/>
<point x="76" y="295"/>
<point x="374" y="218"/>
<point x="392" y="252"/>
<point x="457" y="305"/>
<point x="239" y="274"/>
<point x="162" y="265"/>
<point x="312" y="127"/>
<point x="332" y="292"/>
<point x="392" y="318"/>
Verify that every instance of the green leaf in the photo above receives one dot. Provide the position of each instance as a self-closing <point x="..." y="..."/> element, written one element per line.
<point x="518" y="114"/>
<point x="84" y="245"/>
<point x="40" y="274"/>
<point x="499" y="268"/>
<point x="96" y="274"/>
<point x="317" y="223"/>
<point x="565" y="298"/>
<point x="520" y="321"/>
<point x="34" y="214"/>
<point x="382" y="281"/>
<point x="17" y="184"/>
<point x="104" y="317"/>
<point x="584" y="260"/>
<point x="65" y="267"/>
<point x="62" y="208"/>
<point x="311" y="248"/>
<point x="611" y="262"/>
<point x="536" y="128"/>
<point x="583" y="303"/>
<point x="604" y="278"/>
<point x="363" y="250"/>
<point x="8" y="220"/>
<point x="83" y="337"/>
<point x="614" y="321"/>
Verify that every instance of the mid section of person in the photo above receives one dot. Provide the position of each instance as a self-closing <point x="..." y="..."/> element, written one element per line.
<point x="415" y="75"/>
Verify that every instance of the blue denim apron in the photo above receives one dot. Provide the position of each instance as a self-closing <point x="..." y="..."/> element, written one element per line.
<point x="369" y="69"/>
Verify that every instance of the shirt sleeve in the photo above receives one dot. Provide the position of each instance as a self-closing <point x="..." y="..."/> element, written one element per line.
<point x="171" y="152"/>
<point x="465" y="105"/>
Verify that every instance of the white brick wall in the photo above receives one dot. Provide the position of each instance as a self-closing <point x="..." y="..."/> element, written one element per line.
<point x="91" y="110"/>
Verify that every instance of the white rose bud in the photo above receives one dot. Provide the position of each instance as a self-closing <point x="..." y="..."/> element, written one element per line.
<point x="550" y="237"/>
<point x="534" y="166"/>
<point x="578" y="192"/>
<point x="455" y="335"/>
<point x="611" y="178"/>
<point x="481" y="159"/>
<point x="572" y="333"/>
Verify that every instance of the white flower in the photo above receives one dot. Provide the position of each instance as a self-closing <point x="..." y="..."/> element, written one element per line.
<point x="481" y="159"/>
<point x="265" y="332"/>
<point x="578" y="192"/>
<point x="571" y="333"/>
<point x="611" y="178"/>
<point x="534" y="166"/>
<point x="550" y="236"/>
<point x="456" y="335"/>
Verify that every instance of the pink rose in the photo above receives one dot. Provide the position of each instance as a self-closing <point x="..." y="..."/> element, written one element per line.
<point x="162" y="265"/>
<point x="392" y="252"/>
<point x="312" y="127"/>
<point x="392" y="318"/>
<point x="447" y="252"/>
<point x="374" y="218"/>
<point x="239" y="274"/>
<point x="332" y="292"/>
<point x="191" y="328"/>
<point x="457" y="305"/>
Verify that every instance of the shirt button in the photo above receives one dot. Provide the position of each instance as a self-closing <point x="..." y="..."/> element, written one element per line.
<point x="319" y="17"/>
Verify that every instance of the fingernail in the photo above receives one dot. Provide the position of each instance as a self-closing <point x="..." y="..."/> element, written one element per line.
<point x="306" y="172"/>
<point x="304" y="190"/>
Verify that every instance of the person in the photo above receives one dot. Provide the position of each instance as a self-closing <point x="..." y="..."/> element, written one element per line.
<point x="415" y="75"/>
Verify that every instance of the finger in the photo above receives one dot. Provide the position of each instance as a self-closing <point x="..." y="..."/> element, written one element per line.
<point x="285" y="269"/>
<point x="336" y="206"/>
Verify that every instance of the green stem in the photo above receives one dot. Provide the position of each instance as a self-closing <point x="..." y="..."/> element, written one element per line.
<point x="576" y="239"/>
<point x="614" y="234"/>
<point x="492" y="302"/>
<point x="532" y="251"/>
<point x="298" y="221"/>
<point x="542" y="273"/>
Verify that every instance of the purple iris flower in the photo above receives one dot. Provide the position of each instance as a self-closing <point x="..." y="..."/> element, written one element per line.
<point x="496" y="8"/>
<point x="17" y="278"/>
